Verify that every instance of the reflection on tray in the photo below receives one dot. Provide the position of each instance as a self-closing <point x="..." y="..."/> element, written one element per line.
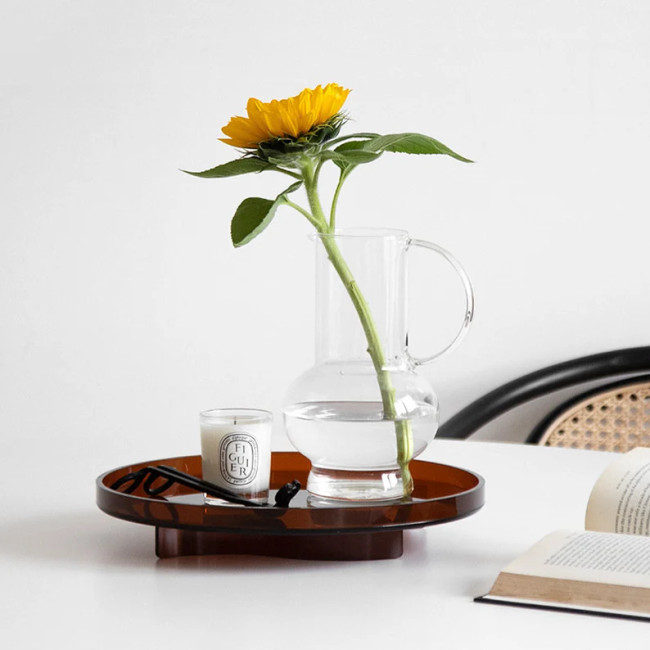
<point x="442" y="493"/>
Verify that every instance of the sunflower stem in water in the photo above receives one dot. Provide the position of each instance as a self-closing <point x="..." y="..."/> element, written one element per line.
<point x="402" y="427"/>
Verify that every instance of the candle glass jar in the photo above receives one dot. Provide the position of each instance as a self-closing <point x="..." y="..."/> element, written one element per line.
<point x="236" y="451"/>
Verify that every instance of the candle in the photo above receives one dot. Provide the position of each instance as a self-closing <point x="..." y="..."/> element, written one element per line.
<point x="236" y="451"/>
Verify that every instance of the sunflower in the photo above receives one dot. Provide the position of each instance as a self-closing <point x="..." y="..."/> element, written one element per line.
<point x="293" y="119"/>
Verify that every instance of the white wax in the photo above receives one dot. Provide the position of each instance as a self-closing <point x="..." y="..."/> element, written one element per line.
<point x="236" y="455"/>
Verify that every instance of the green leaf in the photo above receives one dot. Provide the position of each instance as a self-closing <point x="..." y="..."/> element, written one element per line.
<point x="350" y="154"/>
<point x="234" y="168"/>
<point x="415" y="143"/>
<point x="351" y="136"/>
<point x="292" y="188"/>
<point x="356" y="152"/>
<point x="254" y="214"/>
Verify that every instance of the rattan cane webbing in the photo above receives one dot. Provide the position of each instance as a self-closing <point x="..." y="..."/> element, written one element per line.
<point x="615" y="420"/>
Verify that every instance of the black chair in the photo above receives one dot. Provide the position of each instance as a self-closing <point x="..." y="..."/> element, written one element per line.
<point x="612" y="417"/>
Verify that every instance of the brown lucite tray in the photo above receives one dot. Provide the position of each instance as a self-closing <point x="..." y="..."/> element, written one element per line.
<point x="185" y="525"/>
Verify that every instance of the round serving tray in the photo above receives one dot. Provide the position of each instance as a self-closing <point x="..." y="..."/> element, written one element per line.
<point x="185" y="525"/>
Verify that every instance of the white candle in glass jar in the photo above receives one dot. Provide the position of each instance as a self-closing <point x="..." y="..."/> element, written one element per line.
<point x="236" y="451"/>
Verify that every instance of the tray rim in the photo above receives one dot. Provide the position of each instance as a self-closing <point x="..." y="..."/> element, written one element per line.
<point x="477" y="492"/>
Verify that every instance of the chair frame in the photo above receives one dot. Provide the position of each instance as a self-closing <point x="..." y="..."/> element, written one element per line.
<point x="627" y="361"/>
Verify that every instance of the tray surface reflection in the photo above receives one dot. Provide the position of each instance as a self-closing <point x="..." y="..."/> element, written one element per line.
<point x="442" y="493"/>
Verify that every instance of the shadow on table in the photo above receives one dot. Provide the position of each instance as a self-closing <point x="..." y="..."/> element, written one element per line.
<point x="91" y="539"/>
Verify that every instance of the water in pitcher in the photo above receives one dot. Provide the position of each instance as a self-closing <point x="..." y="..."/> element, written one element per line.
<point x="355" y="435"/>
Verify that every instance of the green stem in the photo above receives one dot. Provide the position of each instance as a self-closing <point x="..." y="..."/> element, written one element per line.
<point x="402" y="427"/>
<point x="287" y="172"/>
<point x="335" y="200"/>
<point x="304" y="212"/>
<point x="310" y="176"/>
<point x="316" y="175"/>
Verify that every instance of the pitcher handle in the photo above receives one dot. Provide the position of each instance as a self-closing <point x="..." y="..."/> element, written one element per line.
<point x="469" y="299"/>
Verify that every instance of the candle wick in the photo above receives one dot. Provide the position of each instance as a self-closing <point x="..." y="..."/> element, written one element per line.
<point x="235" y="420"/>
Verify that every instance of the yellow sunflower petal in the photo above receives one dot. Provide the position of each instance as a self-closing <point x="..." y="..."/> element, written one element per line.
<point x="273" y="122"/>
<point x="257" y="114"/>
<point x="244" y="131"/>
<point x="289" y="121"/>
<point x="292" y="117"/>
<point x="303" y="107"/>
<point x="333" y="100"/>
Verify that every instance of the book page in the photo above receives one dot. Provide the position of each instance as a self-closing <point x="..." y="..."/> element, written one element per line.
<point x="588" y="557"/>
<point x="620" y="499"/>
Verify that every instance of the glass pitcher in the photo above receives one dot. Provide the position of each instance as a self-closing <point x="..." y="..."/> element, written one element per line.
<point x="361" y="412"/>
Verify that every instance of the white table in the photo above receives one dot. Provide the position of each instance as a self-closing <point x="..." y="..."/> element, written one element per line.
<point x="70" y="574"/>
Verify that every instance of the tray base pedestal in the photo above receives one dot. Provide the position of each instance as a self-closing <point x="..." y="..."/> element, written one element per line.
<point x="379" y="545"/>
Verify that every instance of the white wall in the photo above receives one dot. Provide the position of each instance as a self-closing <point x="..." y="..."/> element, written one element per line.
<point x="125" y="310"/>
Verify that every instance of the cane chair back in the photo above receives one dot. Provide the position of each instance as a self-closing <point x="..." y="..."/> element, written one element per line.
<point x="614" y="418"/>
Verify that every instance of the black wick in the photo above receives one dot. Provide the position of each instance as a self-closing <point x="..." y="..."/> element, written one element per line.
<point x="170" y="475"/>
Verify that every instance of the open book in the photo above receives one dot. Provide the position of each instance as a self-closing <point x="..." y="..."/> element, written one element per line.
<point x="605" y="569"/>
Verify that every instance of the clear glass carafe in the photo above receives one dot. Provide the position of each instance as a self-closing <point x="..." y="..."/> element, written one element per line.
<point x="361" y="412"/>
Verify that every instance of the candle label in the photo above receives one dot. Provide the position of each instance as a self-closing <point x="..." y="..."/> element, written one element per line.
<point x="239" y="458"/>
